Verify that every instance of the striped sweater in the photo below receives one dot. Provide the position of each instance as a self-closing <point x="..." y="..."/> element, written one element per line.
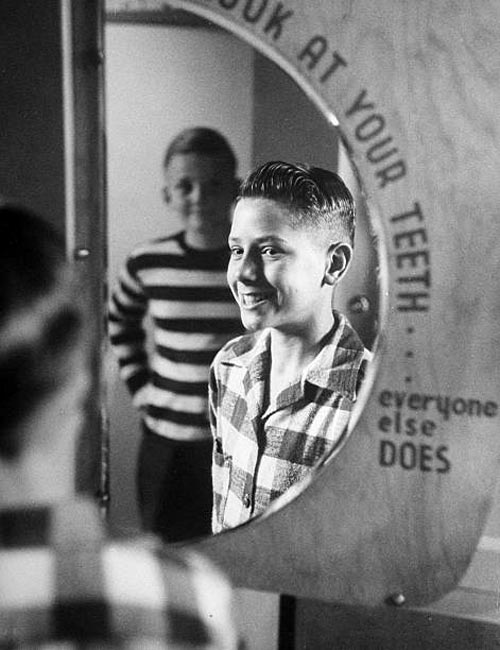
<point x="165" y="359"/>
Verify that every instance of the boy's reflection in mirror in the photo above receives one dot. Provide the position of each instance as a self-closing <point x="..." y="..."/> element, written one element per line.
<point x="180" y="282"/>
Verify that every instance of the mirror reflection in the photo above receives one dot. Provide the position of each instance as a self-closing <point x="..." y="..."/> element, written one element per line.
<point x="190" y="111"/>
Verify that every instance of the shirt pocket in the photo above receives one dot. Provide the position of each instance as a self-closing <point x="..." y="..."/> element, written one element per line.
<point x="222" y="467"/>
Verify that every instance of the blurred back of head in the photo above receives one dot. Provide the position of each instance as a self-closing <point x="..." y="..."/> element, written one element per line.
<point x="40" y="321"/>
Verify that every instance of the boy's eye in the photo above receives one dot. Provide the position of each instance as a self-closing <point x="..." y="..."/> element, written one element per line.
<point x="185" y="186"/>
<point x="270" y="251"/>
<point x="236" y="251"/>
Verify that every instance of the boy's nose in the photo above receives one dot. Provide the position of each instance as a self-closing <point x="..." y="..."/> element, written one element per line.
<point x="200" y="193"/>
<point x="248" y="268"/>
<point x="196" y="193"/>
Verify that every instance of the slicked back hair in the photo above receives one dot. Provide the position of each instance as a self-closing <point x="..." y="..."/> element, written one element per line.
<point x="318" y="199"/>
<point x="204" y="141"/>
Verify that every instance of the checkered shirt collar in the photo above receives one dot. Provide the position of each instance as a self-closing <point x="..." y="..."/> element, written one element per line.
<point x="335" y="368"/>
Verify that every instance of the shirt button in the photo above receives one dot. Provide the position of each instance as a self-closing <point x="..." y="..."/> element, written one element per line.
<point x="246" y="501"/>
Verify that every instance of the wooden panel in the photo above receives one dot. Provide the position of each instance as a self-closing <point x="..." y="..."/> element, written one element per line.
<point x="415" y="87"/>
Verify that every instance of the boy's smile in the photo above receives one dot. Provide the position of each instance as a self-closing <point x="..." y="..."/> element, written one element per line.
<point x="276" y="272"/>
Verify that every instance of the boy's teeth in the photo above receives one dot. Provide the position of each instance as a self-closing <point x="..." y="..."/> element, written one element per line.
<point x="252" y="299"/>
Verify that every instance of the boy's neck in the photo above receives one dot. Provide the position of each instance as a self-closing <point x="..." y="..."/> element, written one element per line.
<point x="291" y="353"/>
<point x="212" y="240"/>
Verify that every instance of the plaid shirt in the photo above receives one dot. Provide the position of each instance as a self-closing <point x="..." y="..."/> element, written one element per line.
<point x="62" y="585"/>
<point x="260" y="452"/>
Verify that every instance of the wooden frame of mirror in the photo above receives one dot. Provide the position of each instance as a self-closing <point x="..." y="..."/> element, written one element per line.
<point x="401" y="509"/>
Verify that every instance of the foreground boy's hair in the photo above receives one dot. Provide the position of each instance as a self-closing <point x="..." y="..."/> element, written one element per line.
<point x="40" y="321"/>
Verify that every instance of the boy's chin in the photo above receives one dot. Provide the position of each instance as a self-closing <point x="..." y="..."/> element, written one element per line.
<point x="252" y="324"/>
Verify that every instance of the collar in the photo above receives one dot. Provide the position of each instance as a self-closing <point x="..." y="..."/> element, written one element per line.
<point x="336" y="367"/>
<point x="220" y="254"/>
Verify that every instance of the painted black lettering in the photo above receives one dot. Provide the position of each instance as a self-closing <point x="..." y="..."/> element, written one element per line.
<point x="441" y="455"/>
<point x="385" y="398"/>
<point x="370" y="127"/>
<point x="275" y="23"/>
<point x="413" y="301"/>
<point x="428" y="427"/>
<point x="392" y="173"/>
<point x="400" y="399"/>
<point x="414" y="401"/>
<point x="359" y="104"/>
<point x="490" y="409"/>
<point x="412" y="257"/>
<point x="338" y="61"/>
<point x="426" y="458"/>
<point x="313" y="51"/>
<point x="411" y="427"/>
<point x="228" y="4"/>
<point x="459" y="406"/>
<point x="382" y="154"/>
<point x="416" y="212"/>
<point x="424" y="279"/>
<point x="384" y="424"/>
<point x="474" y="407"/>
<point x="387" y="455"/>
<point x="443" y="406"/>
<point x="427" y="399"/>
<point x="252" y="14"/>
<point x="408" y="455"/>
<point x="410" y="235"/>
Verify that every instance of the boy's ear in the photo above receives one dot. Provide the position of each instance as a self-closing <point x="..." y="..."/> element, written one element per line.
<point x="339" y="257"/>
<point x="166" y="194"/>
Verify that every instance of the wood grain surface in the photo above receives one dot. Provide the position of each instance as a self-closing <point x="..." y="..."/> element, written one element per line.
<point x="415" y="88"/>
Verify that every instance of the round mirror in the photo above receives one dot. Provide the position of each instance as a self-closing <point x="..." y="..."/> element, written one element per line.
<point x="167" y="71"/>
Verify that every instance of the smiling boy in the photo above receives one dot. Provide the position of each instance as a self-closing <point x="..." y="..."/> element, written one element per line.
<point x="282" y="395"/>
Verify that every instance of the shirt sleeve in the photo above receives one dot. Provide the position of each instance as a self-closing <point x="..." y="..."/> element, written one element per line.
<point x="127" y="336"/>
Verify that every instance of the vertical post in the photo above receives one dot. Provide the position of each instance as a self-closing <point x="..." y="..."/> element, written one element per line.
<point x="83" y="97"/>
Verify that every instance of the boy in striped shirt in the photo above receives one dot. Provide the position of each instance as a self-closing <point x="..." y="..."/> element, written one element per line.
<point x="180" y="283"/>
<point x="281" y="396"/>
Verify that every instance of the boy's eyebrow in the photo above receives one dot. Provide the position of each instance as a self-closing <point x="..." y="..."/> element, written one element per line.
<point x="260" y="240"/>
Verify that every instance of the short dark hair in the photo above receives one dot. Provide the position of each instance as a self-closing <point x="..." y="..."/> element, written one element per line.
<point x="204" y="141"/>
<point x="317" y="198"/>
<point x="40" y="319"/>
